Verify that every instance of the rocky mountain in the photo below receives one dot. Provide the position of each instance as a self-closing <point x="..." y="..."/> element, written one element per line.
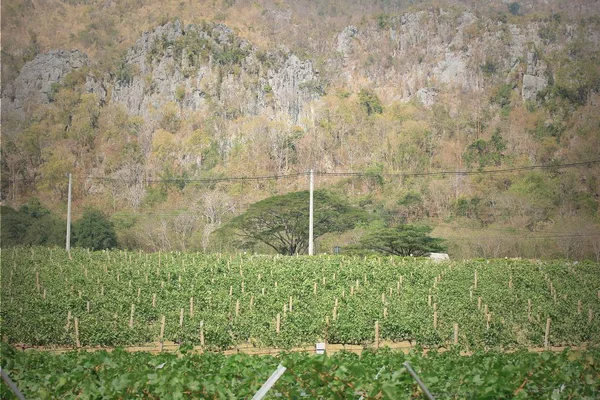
<point x="425" y="88"/>
<point x="209" y="68"/>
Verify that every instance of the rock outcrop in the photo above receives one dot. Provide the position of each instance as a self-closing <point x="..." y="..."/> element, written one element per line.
<point x="209" y="68"/>
<point x="35" y="81"/>
<point x="534" y="79"/>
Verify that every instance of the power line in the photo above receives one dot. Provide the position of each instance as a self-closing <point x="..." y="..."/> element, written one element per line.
<point x="355" y="174"/>
<point x="477" y="172"/>
<point x="323" y="173"/>
<point x="202" y="180"/>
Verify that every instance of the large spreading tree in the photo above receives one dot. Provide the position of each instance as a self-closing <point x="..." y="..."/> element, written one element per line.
<point x="282" y="222"/>
<point x="402" y="240"/>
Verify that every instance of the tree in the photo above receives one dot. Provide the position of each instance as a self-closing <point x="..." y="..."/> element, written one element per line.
<point x="514" y="8"/>
<point x="33" y="224"/>
<point x="403" y="240"/>
<point x="370" y="102"/>
<point x="94" y="231"/>
<point x="281" y="222"/>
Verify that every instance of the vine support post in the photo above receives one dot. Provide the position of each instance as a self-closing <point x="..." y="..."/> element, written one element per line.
<point x="162" y="333"/>
<point x="455" y="333"/>
<point x="547" y="335"/>
<point x="77" y="342"/>
<point x="202" y="333"/>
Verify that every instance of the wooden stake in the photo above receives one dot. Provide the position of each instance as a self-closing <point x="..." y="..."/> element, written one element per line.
<point x="488" y="318"/>
<point x="131" y="316"/>
<point x="162" y="332"/>
<point x="192" y="307"/>
<point x="291" y="302"/>
<point x="181" y="318"/>
<point x="315" y="288"/>
<point x="68" y="321"/>
<point x="230" y="291"/>
<point x="263" y="291"/>
<point x="485" y="309"/>
<point x="376" y="334"/>
<point x="579" y="307"/>
<point x="277" y="327"/>
<point x="429" y="300"/>
<point x="237" y="307"/>
<point x="139" y="292"/>
<point x="88" y="306"/>
<point x="201" y="333"/>
<point x="383" y="298"/>
<point x="44" y="294"/>
<point x="153" y="300"/>
<point x="479" y="303"/>
<point x="77" y="332"/>
<point x="455" y="333"/>
<point x="385" y="313"/>
<point x="547" y="336"/>
<point x="475" y="282"/>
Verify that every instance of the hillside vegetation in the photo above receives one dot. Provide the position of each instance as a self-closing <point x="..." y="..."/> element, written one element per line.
<point x="153" y="105"/>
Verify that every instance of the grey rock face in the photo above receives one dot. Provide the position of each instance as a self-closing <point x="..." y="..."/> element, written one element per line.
<point x="534" y="79"/>
<point x="207" y="68"/>
<point x="532" y="85"/>
<point x="345" y="40"/>
<point x="35" y="80"/>
<point x="427" y="96"/>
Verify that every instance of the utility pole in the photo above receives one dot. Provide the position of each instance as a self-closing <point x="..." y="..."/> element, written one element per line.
<point x="311" y="244"/>
<point x="68" y="246"/>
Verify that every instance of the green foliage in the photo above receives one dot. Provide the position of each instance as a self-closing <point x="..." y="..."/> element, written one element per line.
<point x="94" y="231"/>
<point x="180" y="93"/>
<point x="403" y="240"/>
<point x="514" y="8"/>
<point x="486" y="152"/>
<point x="502" y="95"/>
<point x="124" y="73"/>
<point x="110" y="280"/>
<point x="33" y="224"/>
<point x="344" y="375"/>
<point x="383" y="21"/>
<point x="369" y="100"/>
<point x="489" y="68"/>
<point x="465" y="207"/>
<point x="281" y="222"/>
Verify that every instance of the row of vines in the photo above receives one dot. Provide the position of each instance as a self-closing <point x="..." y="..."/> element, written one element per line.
<point x="119" y="298"/>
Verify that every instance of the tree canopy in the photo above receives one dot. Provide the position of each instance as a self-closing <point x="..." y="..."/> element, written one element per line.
<point x="403" y="240"/>
<point x="94" y="231"/>
<point x="282" y="222"/>
<point x="32" y="224"/>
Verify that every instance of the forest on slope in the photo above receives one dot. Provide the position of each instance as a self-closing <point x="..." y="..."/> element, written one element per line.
<point x="150" y="105"/>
